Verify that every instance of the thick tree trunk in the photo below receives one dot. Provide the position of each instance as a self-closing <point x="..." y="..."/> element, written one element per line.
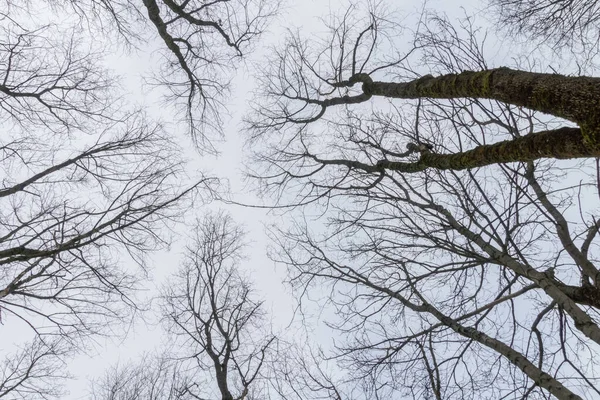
<point x="563" y="143"/>
<point x="221" y="375"/>
<point x="574" y="98"/>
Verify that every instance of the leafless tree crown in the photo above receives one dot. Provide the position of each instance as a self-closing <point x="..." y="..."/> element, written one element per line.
<point x="458" y="253"/>
<point x="90" y="185"/>
<point x="562" y="24"/>
<point x="211" y="310"/>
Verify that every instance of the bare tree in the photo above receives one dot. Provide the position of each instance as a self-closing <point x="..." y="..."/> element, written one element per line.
<point x="88" y="186"/>
<point x="564" y="24"/>
<point x="87" y="180"/>
<point x="152" y="378"/>
<point x="49" y="82"/>
<point x="449" y="280"/>
<point x="307" y="79"/>
<point x="200" y="43"/>
<point x="34" y="371"/>
<point x="204" y="39"/>
<point x="211" y="311"/>
<point x="64" y="222"/>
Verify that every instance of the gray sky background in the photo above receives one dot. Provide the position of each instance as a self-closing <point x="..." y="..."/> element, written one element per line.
<point x="267" y="276"/>
<point x="303" y="14"/>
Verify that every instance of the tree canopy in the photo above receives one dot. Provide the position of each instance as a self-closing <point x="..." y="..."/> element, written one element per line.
<point x="457" y="248"/>
<point x="438" y="194"/>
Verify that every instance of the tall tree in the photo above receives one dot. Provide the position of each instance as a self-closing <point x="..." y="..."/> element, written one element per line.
<point x="306" y="80"/>
<point x="219" y="341"/>
<point x="89" y="182"/>
<point x="211" y="310"/>
<point x="465" y="265"/>
<point x="198" y="45"/>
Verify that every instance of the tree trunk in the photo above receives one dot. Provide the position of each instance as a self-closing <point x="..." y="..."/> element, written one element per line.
<point x="574" y="98"/>
<point x="563" y="143"/>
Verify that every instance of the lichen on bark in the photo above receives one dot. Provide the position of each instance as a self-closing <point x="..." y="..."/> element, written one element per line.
<point x="576" y="99"/>
<point x="563" y="143"/>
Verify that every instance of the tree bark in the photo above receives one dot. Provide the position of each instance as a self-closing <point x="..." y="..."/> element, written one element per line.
<point x="563" y="143"/>
<point x="574" y="98"/>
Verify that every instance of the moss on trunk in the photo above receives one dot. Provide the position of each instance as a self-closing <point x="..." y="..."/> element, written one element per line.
<point x="574" y="98"/>
<point x="563" y="143"/>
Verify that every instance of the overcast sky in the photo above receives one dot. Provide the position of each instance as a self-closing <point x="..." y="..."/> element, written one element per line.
<point x="143" y="337"/>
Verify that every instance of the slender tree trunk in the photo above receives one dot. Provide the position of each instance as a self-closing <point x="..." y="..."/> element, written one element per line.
<point x="536" y="374"/>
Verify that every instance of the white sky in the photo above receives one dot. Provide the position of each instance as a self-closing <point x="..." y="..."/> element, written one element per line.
<point x="267" y="276"/>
